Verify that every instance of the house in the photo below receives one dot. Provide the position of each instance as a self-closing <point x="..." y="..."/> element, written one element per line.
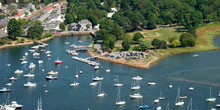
<point x="96" y="27"/>
<point x="109" y="15"/>
<point x="85" y="25"/>
<point x="3" y="24"/>
<point x="19" y="15"/>
<point x="31" y="6"/>
<point x="114" y="10"/>
<point x="48" y="10"/>
<point x="51" y="26"/>
<point x="73" y="27"/>
<point x="54" y="17"/>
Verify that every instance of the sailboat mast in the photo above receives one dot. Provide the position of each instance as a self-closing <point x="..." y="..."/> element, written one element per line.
<point x="117" y="79"/>
<point x="167" y="106"/>
<point x="210" y="91"/>
<point x="177" y="95"/>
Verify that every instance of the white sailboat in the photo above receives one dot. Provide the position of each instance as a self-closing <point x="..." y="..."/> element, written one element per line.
<point x="118" y="84"/>
<point x="190" y="105"/>
<point x="134" y="86"/>
<point x="210" y="99"/>
<point x="39" y="104"/>
<point x="136" y="96"/>
<point x="168" y="106"/>
<point x="93" y="83"/>
<point x="118" y="99"/>
<point x="178" y="102"/>
<point x="100" y="92"/>
<point x="159" y="107"/>
<point x="161" y="98"/>
<point x="77" y="75"/>
<point x="219" y="93"/>
<point x="137" y="78"/>
<point x="74" y="84"/>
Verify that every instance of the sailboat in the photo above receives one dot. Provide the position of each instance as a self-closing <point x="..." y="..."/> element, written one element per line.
<point x="100" y="93"/>
<point x="93" y="83"/>
<point x="134" y="86"/>
<point x="159" y="107"/>
<point x="142" y="106"/>
<point x="74" y="84"/>
<point x="178" y="102"/>
<point x="190" y="105"/>
<point x="39" y="104"/>
<point x="118" y="99"/>
<point x="210" y="99"/>
<point x="77" y="76"/>
<point x="219" y="93"/>
<point x="161" y="98"/>
<point x="118" y="84"/>
<point x="168" y="106"/>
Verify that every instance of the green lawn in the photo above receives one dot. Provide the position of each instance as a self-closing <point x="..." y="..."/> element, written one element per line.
<point x="161" y="33"/>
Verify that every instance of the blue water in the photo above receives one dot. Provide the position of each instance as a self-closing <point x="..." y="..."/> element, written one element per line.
<point x="60" y="96"/>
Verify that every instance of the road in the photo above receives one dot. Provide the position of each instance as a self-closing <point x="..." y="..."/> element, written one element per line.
<point x="37" y="13"/>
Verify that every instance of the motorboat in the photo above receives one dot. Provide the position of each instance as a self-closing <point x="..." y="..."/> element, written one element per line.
<point x="53" y="72"/>
<point x="219" y="93"/>
<point x="108" y="70"/>
<point x="196" y="55"/>
<point x="67" y="43"/>
<point x="50" y="77"/>
<point x="74" y="84"/>
<point x="48" y="52"/>
<point x="35" y="47"/>
<point x="16" y="105"/>
<point x="100" y="92"/>
<point x="23" y="58"/>
<point x="151" y="83"/>
<point x="30" y="84"/>
<point x="24" y="62"/>
<point x="18" y="71"/>
<point x="210" y="99"/>
<point x="117" y="83"/>
<point x="170" y="86"/>
<point x="32" y="65"/>
<point x="94" y="83"/>
<point x="8" y="84"/>
<point x="58" y="61"/>
<point x="156" y="100"/>
<point x="119" y="102"/>
<point x="31" y="50"/>
<point x="36" y="57"/>
<point x="178" y="102"/>
<point x="5" y="90"/>
<point x="8" y="64"/>
<point x="13" y="78"/>
<point x="42" y="50"/>
<point x="191" y="88"/>
<point x="80" y="41"/>
<point x="97" y="79"/>
<point x="159" y="108"/>
<point x="137" y="78"/>
<point x="36" y="54"/>
<point x="48" y="55"/>
<point x="26" y="54"/>
<point x="80" y="72"/>
<point x="42" y="45"/>
<point x="7" y="107"/>
<point x="40" y="62"/>
<point x="29" y="75"/>
<point x="182" y="97"/>
<point x="217" y="105"/>
<point x="96" y="67"/>
<point x="136" y="96"/>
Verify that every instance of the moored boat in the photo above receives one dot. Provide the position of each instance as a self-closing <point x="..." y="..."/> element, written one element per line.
<point x="29" y="75"/>
<point x="5" y="90"/>
<point x="16" y="105"/>
<point x="151" y="83"/>
<point x="24" y="62"/>
<point x="97" y="79"/>
<point x="50" y="77"/>
<point x="210" y="99"/>
<point x="32" y="65"/>
<point x="136" y="96"/>
<point x="18" y="71"/>
<point x="94" y="83"/>
<point x="53" y="72"/>
<point x="58" y="61"/>
<point x="30" y="84"/>
<point x="13" y="78"/>
<point x="137" y="78"/>
<point x="40" y="62"/>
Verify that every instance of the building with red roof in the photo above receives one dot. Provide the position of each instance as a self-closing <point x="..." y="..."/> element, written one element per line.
<point x="48" y="10"/>
<point x="20" y="15"/>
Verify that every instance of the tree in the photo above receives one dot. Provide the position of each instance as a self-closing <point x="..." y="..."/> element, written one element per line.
<point x="35" y="30"/>
<point x="137" y="36"/>
<point x="62" y="26"/>
<point x="175" y="43"/>
<point x="156" y="43"/>
<point x="126" y="42"/>
<point x="136" y="18"/>
<point x="93" y="19"/>
<point x="109" y="41"/>
<point x="23" y="22"/>
<point x="151" y="24"/>
<point x="144" y="45"/>
<point x="187" y="39"/>
<point x="14" y="29"/>
<point x="68" y="18"/>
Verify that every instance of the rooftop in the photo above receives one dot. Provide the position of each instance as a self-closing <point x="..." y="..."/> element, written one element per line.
<point x="20" y="14"/>
<point x="49" y="8"/>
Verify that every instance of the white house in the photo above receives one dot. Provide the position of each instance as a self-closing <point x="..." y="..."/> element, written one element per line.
<point x="114" y="9"/>
<point x="31" y="6"/>
<point x="48" y="10"/>
<point x="85" y="25"/>
<point x="51" y="26"/>
<point x="55" y="17"/>
<point x="109" y="15"/>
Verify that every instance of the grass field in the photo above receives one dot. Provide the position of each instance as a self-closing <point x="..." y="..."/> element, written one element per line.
<point x="161" y="33"/>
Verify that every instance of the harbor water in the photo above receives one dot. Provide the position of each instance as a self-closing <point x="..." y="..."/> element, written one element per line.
<point x="200" y="72"/>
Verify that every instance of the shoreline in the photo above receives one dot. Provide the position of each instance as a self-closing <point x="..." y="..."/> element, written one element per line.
<point x="45" y="39"/>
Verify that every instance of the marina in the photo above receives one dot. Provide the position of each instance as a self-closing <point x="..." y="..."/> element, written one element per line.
<point x="161" y="77"/>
